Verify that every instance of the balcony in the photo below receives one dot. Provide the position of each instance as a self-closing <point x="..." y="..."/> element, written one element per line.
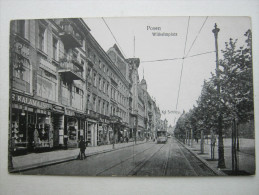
<point x="71" y="71"/>
<point x="70" y="38"/>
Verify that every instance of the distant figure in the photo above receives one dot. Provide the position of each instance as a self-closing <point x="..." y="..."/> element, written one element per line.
<point x="82" y="147"/>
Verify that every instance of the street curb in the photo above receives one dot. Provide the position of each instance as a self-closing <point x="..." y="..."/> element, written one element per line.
<point x="216" y="171"/>
<point x="54" y="162"/>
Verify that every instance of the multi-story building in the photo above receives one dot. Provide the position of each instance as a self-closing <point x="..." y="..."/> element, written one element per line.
<point x="63" y="85"/>
<point x="47" y="67"/>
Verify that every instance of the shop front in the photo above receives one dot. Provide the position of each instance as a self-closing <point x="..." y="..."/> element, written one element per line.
<point x="57" y="120"/>
<point x="31" y="127"/>
<point x="74" y="127"/>
<point x="103" y="137"/>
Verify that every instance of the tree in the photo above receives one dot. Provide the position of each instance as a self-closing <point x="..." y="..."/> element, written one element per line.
<point x="237" y="87"/>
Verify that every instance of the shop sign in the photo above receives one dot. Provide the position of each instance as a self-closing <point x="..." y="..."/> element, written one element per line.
<point x="30" y="101"/>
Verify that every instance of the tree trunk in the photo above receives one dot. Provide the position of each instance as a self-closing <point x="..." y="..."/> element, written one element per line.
<point x="202" y="142"/>
<point x="238" y="137"/>
<point x="191" y="137"/>
<point x="221" y="161"/>
<point x="232" y="147"/>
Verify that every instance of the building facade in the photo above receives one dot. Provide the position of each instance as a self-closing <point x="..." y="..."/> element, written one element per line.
<point x="64" y="86"/>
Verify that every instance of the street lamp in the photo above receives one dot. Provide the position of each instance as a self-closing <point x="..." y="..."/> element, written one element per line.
<point x="221" y="161"/>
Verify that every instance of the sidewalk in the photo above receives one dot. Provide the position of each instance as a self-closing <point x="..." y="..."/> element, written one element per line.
<point x="34" y="160"/>
<point x="246" y="155"/>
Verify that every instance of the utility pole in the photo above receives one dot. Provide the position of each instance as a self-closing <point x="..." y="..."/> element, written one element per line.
<point x="221" y="160"/>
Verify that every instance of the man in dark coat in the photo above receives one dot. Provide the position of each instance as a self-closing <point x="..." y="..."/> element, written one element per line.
<point x="82" y="147"/>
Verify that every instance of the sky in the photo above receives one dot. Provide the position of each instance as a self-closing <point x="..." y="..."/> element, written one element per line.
<point x="163" y="77"/>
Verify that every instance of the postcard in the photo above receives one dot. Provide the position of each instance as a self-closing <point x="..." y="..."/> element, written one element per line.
<point x="131" y="96"/>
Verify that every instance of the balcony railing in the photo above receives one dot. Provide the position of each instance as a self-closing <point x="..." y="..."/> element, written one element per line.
<point x="71" y="71"/>
<point x="69" y="36"/>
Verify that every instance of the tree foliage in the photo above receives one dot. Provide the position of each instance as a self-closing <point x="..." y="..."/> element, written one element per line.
<point x="235" y="98"/>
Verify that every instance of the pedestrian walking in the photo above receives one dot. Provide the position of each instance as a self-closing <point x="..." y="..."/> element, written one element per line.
<point x="82" y="146"/>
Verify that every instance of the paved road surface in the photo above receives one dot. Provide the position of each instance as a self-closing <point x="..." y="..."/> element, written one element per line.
<point x="149" y="159"/>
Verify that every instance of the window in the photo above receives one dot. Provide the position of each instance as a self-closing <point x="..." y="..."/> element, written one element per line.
<point x="100" y="64"/>
<point x="107" y="109"/>
<point x="95" y="79"/>
<point x="83" y="47"/>
<point x="22" y="74"/>
<point x="42" y="38"/>
<point x="94" y="58"/>
<point x="104" y="68"/>
<point x="99" y="106"/>
<point x="77" y="98"/>
<point x="88" y="101"/>
<point x="104" y="86"/>
<point x="100" y="83"/>
<point x="107" y="89"/>
<point x="55" y="48"/>
<point x="21" y="28"/>
<point x="94" y="101"/>
<point x="46" y="86"/>
<point x="89" y="52"/>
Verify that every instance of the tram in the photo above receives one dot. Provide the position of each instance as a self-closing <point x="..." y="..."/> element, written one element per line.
<point x="161" y="136"/>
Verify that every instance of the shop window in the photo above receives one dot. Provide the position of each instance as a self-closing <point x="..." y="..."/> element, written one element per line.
<point x="41" y="133"/>
<point x="89" y="133"/>
<point x="72" y="131"/>
<point x="19" y="129"/>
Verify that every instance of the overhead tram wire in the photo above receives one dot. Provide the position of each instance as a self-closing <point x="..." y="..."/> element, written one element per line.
<point x="197" y="36"/>
<point x="114" y="37"/>
<point x="191" y="56"/>
<point x="179" y="87"/>
<point x="160" y="60"/>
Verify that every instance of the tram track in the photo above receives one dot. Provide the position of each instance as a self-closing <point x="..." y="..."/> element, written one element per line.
<point x="123" y="161"/>
<point x="140" y="165"/>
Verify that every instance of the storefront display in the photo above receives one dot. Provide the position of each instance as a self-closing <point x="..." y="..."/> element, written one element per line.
<point x="19" y="130"/>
